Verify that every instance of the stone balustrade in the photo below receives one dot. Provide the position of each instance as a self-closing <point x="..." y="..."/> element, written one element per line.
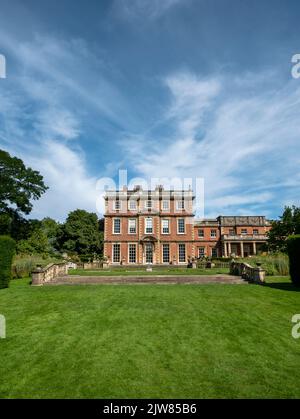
<point x="248" y="272"/>
<point x="53" y="271"/>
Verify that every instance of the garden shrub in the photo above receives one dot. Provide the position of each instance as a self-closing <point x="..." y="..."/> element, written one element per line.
<point x="293" y="248"/>
<point x="7" y="250"/>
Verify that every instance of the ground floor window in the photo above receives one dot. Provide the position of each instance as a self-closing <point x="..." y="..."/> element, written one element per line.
<point x="132" y="253"/>
<point x="181" y="252"/>
<point x="166" y="253"/>
<point x="201" y="252"/>
<point x="214" y="252"/>
<point x="116" y="253"/>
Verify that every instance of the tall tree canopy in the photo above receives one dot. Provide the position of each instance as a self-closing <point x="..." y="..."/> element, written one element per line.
<point x="288" y="224"/>
<point x="80" y="233"/>
<point x="18" y="184"/>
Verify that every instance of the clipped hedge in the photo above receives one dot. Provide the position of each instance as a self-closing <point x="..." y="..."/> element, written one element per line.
<point x="293" y="248"/>
<point x="7" y="250"/>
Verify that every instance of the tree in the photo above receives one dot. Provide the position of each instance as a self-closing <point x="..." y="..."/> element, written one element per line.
<point x="80" y="234"/>
<point x="18" y="184"/>
<point x="7" y="250"/>
<point x="288" y="224"/>
<point x="293" y="248"/>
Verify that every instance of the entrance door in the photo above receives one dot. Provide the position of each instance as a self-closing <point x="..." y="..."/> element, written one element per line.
<point x="149" y="252"/>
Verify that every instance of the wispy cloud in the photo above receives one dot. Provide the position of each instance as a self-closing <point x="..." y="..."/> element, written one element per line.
<point x="152" y="9"/>
<point x="240" y="140"/>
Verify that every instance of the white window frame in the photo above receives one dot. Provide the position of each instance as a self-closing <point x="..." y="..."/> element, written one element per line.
<point x="114" y="232"/>
<point x="202" y="254"/>
<point x="180" y="204"/>
<point x="162" y="250"/>
<point x="146" y="204"/>
<point x="113" y="252"/>
<point x="244" y="231"/>
<point x="135" y="223"/>
<point x="165" y="201"/>
<point x="130" y="202"/>
<point x="132" y="244"/>
<point x="201" y="236"/>
<point x="213" y="235"/>
<point x="181" y="261"/>
<point x="148" y="218"/>
<point x="162" y="226"/>
<point x="178" y="219"/>
<point x="115" y="206"/>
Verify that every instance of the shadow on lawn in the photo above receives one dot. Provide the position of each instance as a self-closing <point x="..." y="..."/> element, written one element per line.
<point x="285" y="286"/>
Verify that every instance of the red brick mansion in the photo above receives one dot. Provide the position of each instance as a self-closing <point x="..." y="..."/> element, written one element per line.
<point x="158" y="227"/>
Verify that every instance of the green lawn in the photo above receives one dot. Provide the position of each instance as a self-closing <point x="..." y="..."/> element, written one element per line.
<point x="142" y="271"/>
<point x="132" y="341"/>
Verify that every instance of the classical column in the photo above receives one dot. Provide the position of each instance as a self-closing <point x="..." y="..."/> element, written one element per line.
<point x="229" y="249"/>
<point x="254" y="248"/>
<point x="225" y="249"/>
<point x="242" y="249"/>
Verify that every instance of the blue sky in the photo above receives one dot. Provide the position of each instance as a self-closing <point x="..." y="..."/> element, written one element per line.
<point x="162" y="88"/>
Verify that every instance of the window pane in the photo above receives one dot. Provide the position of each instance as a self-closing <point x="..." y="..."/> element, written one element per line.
<point x="201" y="252"/>
<point x="116" y="253"/>
<point x="132" y="253"/>
<point x="117" y="226"/>
<point x="200" y="233"/>
<point x="181" y="252"/>
<point x="149" y="225"/>
<point x="166" y="253"/>
<point x="181" y="225"/>
<point x="165" y="205"/>
<point x="132" y="226"/>
<point x="165" y="226"/>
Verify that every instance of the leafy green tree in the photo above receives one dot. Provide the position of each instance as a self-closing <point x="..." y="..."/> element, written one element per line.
<point x="37" y="243"/>
<point x="288" y="224"/>
<point x="80" y="234"/>
<point x="18" y="184"/>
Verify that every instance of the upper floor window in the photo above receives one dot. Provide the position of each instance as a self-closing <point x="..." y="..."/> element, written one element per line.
<point x="213" y="234"/>
<point x="132" y="205"/>
<point x="255" y="231"/>
<point x="200" y="233"/>
<point x="117" y="226"/>
<point x="117" y="204"/>
<point x="148" y="204"/>
<point x="231" y="232"/>
<point x="180" y="204"/>
<point x="148" y="226"/>
<point x="132" y="226"/>
<point x="165" y="205"/>
<point x="165" y="226"/>
<point x="180" y="226"/>
<point x="244" y="231"/>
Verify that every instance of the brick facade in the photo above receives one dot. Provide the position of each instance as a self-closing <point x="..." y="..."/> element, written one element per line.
<point x="158" y="227"/>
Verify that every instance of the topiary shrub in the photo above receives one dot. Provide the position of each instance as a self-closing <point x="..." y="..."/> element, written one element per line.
<point x="293" y="248"/>
<point x="7" y="250"/>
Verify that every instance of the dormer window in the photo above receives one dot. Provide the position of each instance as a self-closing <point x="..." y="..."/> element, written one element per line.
<point x="148" y="204"/>
<point x="180" y="204"/>
<point x="132" y="205"/>
<point x="117" y="204"/>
